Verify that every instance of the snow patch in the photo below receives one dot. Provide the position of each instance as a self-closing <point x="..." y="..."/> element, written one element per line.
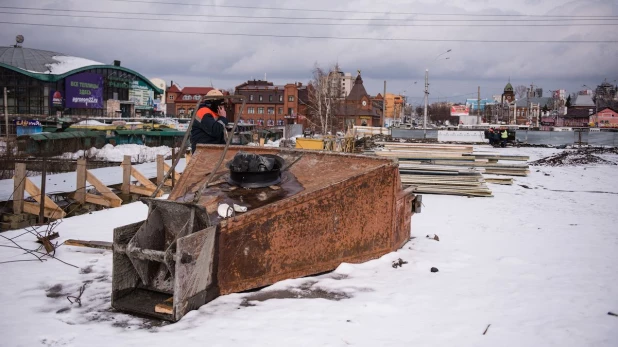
<point x="138" y="153"/>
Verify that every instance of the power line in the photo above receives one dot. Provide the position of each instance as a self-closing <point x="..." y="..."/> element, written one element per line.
<point x="318" y="24"/>
<point x="308" y="36"/>
<point x="570" y="18"/>
<point x="329" y="10"/>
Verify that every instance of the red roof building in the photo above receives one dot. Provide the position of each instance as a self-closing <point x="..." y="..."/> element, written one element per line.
<point x="181" y="102"/>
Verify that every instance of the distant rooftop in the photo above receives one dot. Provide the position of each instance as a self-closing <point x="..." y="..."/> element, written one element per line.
<point x="42" y="62"/>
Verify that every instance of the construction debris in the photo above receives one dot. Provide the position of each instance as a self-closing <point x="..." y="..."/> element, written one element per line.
<point x="581" y="156"/>
<point x="89" y="244"/>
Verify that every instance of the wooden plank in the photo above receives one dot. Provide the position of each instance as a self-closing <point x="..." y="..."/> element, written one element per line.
<point x="109" y="195"/>
<point x="98" y="200"/>
<point x="166" y="306"/>
<point x="35" y="193"/>
<point x="146" y="191"/>
<point x="168" y="168"/>
<point x="19" y="186"/>
<point x="89" y="244"/>
<point x="142" y="179"/>
<point x="160" y="168"/>
<point x="50" y="212"/>
<point x="80" y="188"/>
<point x="126" y="174"/>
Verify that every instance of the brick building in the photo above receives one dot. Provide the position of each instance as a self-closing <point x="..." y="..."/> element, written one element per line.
<point x="181" y="102"/>
<point x="268" y="104"/>
<point x="357" y="108"/>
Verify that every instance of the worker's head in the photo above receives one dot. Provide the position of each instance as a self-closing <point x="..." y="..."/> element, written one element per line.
<point x="213" y="104"/>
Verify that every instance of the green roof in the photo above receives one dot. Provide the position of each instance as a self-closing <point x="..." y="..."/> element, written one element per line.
<point x="151" y="132"/>
<point x="509" y="87"/>
<point x="65" y="135"/>
<point x="54" y="78"/>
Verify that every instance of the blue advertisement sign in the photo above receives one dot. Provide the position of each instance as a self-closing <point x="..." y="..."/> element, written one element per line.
<point x="84" y="90"/>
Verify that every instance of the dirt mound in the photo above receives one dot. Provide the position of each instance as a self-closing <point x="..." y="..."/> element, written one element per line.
<point x="578" y="157"/>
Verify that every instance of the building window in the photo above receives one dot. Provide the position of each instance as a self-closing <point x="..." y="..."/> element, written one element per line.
<point x="196" y="97"/>
<point x="186" y="97"/>
<point x="251" y="97"/>
<point x="271" y="110"/>
<point x="251" y="110"/>
<point x="270" y="98"/>
<point x="181" y="111"/>
<point x="281" y="98"/>
<point x="291" y="98"/>
<point x="280" y="110"/>
<point x="271" y="122"/>
<point x="261" y="98"/>
<point x="280" y="122"/>
<point x="290" y="112"/>
<point x="171" y="97"/>
<point x="261" y="122"/>
<point x="260" y="110"/>
<point x="251" y="121"/>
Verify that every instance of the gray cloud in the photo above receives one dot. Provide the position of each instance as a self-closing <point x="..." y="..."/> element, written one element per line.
<point x="229" y="60"/>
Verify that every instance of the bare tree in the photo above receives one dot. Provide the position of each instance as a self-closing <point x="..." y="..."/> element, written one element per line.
<point x="324" y="94"/>
<point x="520" y="91"/>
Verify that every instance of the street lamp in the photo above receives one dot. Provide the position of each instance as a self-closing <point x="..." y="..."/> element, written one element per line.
<point x="596" y="107"/>
<point x="427" y="93"/>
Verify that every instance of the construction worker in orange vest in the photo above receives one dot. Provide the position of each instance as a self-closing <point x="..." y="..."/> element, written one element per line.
<point x="209" y="123"/>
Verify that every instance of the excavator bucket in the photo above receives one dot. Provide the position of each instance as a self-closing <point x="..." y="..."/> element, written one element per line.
<point x="328" y="208"/>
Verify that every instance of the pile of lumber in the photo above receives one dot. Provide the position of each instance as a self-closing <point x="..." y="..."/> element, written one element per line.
<point x="451" y="169"/>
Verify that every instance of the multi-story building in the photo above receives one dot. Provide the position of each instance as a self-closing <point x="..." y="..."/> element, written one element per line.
<point x="394" y="106"/>
<point x="181" y="102"/>
<point x="268" y="104"/>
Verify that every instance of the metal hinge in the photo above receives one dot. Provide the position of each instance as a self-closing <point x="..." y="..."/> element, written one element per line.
<point x="417" y="203"/>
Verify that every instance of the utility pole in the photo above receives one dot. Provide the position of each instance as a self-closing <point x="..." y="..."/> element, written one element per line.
<point x="383" y="108"/>
<point x="6" y="116"/>
<point x="426" y="101"/>
<point x="478" y="105"/>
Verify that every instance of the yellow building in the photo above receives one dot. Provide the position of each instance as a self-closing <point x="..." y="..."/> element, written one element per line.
<point x="394" y="106"/>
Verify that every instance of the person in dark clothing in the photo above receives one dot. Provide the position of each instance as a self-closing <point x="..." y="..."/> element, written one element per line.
<point x="209" y="125"/>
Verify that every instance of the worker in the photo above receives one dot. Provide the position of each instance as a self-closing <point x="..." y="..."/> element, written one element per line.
<point x="209" y="122"/>
<point x="489" y="134"/>
<point x="504" y="135"/>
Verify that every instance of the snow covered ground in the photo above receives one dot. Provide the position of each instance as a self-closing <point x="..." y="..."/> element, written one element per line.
<point x="138" y="153"/>
<point x="539" y="263"/>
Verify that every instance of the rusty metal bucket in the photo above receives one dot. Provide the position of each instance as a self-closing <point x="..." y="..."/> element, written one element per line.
<point x="328" y="209"/>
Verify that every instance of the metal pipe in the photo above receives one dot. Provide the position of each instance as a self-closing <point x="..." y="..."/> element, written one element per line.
<point x="426" y="102"/>
<point x="6" y="116"/>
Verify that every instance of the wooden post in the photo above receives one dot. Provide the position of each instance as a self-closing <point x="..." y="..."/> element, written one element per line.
<point x="173" y="174"/>
<point x="262" y="142"/>
<point x="126" y="175"/>
<point x="42" y="201"/>
<point x="19" y="183"/>
<point x="80" y="191"/>
<point x="160" y="169"/>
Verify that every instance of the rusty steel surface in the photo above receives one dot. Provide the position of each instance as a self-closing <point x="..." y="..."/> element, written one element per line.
<point x="345" y="208"/>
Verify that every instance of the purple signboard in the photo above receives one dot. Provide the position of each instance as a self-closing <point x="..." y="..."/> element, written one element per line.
<point x="84" y="90"/>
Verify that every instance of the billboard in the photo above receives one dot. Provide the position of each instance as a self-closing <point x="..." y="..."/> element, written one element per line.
<point x="84" y="90"/>
<point x="142" y="95"/>
<point x="473" y="103"/>
<point x="460" y="110"/>
<point x="56" y="99"/>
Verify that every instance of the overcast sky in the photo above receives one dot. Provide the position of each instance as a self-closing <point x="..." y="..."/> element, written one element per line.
<point x="226" y="61"/>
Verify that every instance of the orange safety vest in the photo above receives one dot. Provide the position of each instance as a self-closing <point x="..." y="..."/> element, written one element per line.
<point x="204" y="111"/>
